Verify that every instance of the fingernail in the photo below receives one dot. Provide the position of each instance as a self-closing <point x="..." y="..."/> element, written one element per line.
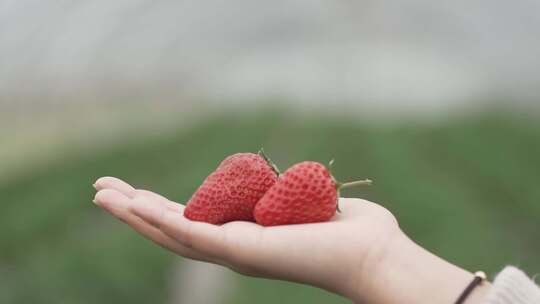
<point x="94" y="201"/>
<point x="94" y="185"/>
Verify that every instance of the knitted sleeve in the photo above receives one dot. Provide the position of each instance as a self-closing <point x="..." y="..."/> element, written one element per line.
<point x="512" y="286"/>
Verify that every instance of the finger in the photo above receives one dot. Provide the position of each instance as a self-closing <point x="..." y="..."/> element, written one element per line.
<point x="109" y="182"/>
<point x="175" y="207"/>
<point x="117" y="204"/>
<point x="203" y="237"/>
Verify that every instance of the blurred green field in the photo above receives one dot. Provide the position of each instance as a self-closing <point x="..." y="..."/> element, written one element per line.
<point x="468" y="189"/>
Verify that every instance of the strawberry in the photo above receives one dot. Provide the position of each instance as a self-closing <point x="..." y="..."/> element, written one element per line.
<point x="232" y="190"/>
<point x="305" y="193"/>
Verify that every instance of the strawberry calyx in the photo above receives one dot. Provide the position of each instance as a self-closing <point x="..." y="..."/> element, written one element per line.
<point x="345" y="185"/>
<point x="269" y="161"/>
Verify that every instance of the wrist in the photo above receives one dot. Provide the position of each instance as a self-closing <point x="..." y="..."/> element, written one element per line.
<point x="400" y="271"/>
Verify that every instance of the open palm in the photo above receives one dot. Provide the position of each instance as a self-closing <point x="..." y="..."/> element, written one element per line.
<point x="330" y="255"/>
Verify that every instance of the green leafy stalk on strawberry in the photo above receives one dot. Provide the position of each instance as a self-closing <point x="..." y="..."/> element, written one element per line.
<point x="269" y="161"/>
<point x="345" y="185"/>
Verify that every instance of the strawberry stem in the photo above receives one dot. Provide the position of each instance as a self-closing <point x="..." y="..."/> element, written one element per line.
<point x="269" y="161"/>
<point x="354" y="184"/>
<point x="340" y="185"/>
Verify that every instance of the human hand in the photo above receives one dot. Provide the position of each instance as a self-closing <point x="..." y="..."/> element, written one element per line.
<point x="354" y="254"/>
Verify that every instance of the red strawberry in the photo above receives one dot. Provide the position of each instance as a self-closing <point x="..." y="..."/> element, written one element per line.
<point x="305" y="193"/>
<point x="231" y="192"/>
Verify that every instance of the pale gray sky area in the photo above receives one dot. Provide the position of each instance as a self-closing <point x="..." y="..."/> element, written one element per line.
<point x="414" y="55"/>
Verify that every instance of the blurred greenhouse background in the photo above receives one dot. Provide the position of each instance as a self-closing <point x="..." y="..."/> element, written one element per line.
<point x="437" y="102"/>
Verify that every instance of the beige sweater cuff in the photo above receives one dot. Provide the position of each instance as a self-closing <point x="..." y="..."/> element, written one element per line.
<point x="513" y="286"/>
